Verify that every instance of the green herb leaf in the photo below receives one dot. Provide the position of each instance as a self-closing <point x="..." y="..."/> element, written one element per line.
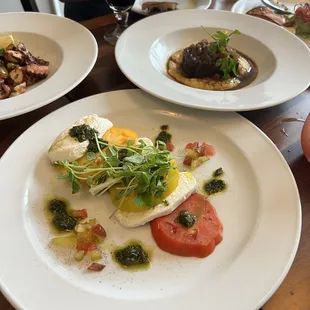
<point x="143" y="182"/>
<point x="144" y="199"/>
<point x="91" y="156"/>
<point x="227" y="65"/>
<point x="75" y="186"/>
<point x="2" y="52"/>
<point x="130" y="142"/>
<point x="135" y="159"/>
<point x="89" y="180"/>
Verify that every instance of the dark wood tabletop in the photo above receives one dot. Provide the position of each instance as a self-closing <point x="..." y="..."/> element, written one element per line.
<point x="294" y="293"/>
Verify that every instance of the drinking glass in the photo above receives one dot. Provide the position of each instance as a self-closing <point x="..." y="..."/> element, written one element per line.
<point x="120" y="9"/>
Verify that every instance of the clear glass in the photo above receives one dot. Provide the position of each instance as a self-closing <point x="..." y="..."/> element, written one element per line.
<point x="120" y="9"/>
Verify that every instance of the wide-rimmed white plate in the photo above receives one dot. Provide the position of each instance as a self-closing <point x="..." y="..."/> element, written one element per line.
<point x="69" y="47"/>
<point x="142" y="56"/>
<point x="183" y="5"/>
<point x="243" y="6"/>
<point x="260" y="211"/>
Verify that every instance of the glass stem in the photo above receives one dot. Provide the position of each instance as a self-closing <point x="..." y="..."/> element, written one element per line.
<point x="122" y="19"/>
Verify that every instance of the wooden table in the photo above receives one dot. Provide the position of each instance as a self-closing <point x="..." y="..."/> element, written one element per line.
<point x="294" y="293"/>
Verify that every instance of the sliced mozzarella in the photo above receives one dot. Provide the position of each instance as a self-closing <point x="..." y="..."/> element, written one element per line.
<point x="187" y="185"/>
<point x="68" y="148"/>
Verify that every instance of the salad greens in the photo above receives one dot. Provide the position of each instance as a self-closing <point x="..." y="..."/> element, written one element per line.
<point x="136" y="168"/>
<point x="226" y="63"/>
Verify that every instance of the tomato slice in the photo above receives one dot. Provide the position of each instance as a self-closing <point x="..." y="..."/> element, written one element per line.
<point x="86" y="246"/>
<point x="96" y="267"/>
<point x="199" y="240"/>
<point x="79" y="214"/>
<point x="99" y="231"/>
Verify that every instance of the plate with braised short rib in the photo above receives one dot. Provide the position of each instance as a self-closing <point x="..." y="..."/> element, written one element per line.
<point x="214" y="60"/>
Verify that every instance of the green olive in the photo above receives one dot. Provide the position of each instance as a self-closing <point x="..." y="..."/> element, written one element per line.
<point x="3" y="73"/>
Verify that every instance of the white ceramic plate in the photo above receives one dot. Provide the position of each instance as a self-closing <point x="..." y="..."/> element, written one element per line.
<point x="69" y="47"/>
<point x="260" y="211"/>
<point x="243" y="6"/>
<point x="142" y="56"/>
<point x="183" y="5"/>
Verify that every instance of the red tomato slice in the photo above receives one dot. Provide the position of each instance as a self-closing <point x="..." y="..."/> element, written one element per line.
<point x="79" y="214"/>
<point x="207" y="149"/>
<point x="86" y="246"/>
<point x="199" y="240"/>
<point x="96" y="267"/>
<point x="99" y="231"/>
<point x="169" y="146"/>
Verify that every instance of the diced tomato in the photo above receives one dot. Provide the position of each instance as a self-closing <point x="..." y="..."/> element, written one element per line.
<point x="169" y="146"/>
<point x="206" y="149"/>
<point x="192" y="146"/>
<point x="199" y="240"/>
<point x="86" y="246"/>
<point x="187" y="161"/>
<point x="99" y="231"/>
<point x="79" y="214"/>
<point x="96" y="267"/>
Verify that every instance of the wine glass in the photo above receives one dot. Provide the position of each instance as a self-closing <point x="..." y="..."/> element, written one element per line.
<point x="120" y="9"/>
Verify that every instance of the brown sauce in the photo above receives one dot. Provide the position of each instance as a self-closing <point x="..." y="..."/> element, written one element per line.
<point x="249" y="78"/>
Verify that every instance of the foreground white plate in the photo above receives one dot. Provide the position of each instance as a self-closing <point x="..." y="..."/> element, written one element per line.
<point x="183" y="5"/>
<point x="142" y="56"/>
<point x="260" y="212"/>
<point x="69" y="47"/>
<point x="243" y="6"/>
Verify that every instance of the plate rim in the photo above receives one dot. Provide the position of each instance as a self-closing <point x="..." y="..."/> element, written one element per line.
<point x="76" y="81"/>
<point x="14" y="301"/>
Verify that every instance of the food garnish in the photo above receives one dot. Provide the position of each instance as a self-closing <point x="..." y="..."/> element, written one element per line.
<point x="196" y="154"/>
<point x="85" y="238"/>
<point x="84" y="132"/>
<point x="218" y="172"/>
<point x="165" y="136"/>
<point x="139" y="168"/>
<point x="186" y="218"/>
<point x="62" y="220"/>
<point x="214" y="186"/>
<point x="132" y="255"/>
